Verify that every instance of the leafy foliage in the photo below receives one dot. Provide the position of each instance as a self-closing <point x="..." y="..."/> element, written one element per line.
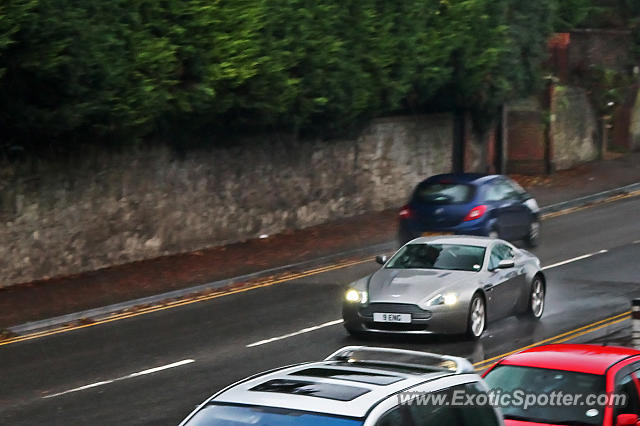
<point x="596" y="14"/>
<point x="76" y="72"/>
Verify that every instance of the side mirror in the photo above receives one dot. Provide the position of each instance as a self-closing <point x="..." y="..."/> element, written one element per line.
<point x="626" y="420"/>
<point x="382" y="259"/>
<point x="506" y="264"/>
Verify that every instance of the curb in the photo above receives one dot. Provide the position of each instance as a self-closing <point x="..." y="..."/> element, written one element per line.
<point x="589" y="199"/>
<point x="106" y="311"/>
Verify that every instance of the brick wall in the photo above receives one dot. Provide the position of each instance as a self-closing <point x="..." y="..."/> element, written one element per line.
<point x="526" y="135"/>
<point x="559" y="56"/>
<point x="559" y="129"/>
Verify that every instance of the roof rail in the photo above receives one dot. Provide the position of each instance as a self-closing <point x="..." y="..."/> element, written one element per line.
<point x="401" y="358"/>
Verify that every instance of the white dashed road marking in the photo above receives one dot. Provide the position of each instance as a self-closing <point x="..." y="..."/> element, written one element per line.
<point x="139" y="373"/>
<point x="575" y="259"/>
<point x="296" y="333"/>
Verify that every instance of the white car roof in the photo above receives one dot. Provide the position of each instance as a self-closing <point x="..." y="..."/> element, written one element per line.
<point x="353" y="394"/>
<point x="356" y="407"/>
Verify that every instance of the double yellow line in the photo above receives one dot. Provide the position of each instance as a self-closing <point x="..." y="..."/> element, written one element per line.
<point x="142" y="310"/>
<point x="607" y="200"/>
<point x="560" y="338"/>
<point x="175" y="303"/>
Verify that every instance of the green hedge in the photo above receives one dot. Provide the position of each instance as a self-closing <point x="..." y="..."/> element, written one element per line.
<point x="75" y="72"/>
<point x="597" y="14"/>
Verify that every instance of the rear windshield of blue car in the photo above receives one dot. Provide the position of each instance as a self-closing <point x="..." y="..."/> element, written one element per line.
<point x="237" y="415"/>
<point x="444" y="193"/>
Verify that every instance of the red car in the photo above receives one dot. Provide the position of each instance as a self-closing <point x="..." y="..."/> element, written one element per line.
<point x="568" y="385"/>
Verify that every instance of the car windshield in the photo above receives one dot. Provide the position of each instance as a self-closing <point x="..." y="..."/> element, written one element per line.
<point x="444" y="193"/>
<point x="456" y="257"/>
<point x="541" y="384"/>
<point x="236" y="415"/>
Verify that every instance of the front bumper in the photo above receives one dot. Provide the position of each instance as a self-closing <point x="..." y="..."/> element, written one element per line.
<point x="438" y="320"/>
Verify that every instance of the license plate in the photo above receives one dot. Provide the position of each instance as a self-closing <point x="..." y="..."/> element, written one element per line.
<point x="435" y="234"/>
<point x="403" y="318"/>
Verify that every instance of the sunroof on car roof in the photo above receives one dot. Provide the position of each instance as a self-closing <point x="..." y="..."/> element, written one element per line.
<point x="319" y="390"/>
<point x="350" y="375"/>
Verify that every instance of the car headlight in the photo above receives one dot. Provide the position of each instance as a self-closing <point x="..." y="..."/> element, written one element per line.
<point x="443" y="299"/>
<point x="355" y="296"/>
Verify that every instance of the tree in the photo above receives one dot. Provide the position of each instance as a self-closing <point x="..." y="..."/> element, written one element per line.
<point x="499" y="48"/>
<point x="116" y="71"/>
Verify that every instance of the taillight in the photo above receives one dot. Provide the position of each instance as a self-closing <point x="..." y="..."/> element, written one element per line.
<point x="475" y="213"/>
<point x="405" y="212"/>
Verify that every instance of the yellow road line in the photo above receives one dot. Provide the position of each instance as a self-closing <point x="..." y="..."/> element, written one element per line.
<point x="215" y="294"/>
<point x="593" y="204"/>
<point x="182" y="302"/>
<point x="592" y="330"/>
<point x="562" y="337"/>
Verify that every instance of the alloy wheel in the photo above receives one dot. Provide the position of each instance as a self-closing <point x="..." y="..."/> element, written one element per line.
<point x="537" y="298"/>
<point x="534" y="231"/>
<point x="478" y="317"/>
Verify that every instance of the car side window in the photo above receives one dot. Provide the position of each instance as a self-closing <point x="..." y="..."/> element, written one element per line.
<point x="479" y="415"/>
<point x="499" y="252"/>
<point x="508" y="251"/>
<point x="397" y="416"/>
<point x="500" y="190"/>
<point x="433" y="413"/>
<point x="628" y="385"/>
<point x="495" y="192"/>
<point x="515" y="188"/>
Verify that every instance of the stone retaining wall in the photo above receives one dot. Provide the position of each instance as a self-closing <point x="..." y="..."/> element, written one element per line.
<point x="112" y="208"/>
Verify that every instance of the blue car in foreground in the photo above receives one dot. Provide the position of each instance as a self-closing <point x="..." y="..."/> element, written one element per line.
<point x="470" y="204"/>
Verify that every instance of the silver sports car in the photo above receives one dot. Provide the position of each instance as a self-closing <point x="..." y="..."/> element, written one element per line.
<point x="448" y="285"/>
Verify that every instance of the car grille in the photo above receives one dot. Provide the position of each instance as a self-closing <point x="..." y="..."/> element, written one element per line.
<point x="395" y="308"/>
<point x="388" y="326"/>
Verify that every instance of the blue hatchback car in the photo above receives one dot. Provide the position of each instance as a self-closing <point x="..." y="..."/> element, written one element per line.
<point x="470" y="204"/>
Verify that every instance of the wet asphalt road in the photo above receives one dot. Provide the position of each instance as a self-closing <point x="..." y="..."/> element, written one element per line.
<point x="214" y="334"/>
